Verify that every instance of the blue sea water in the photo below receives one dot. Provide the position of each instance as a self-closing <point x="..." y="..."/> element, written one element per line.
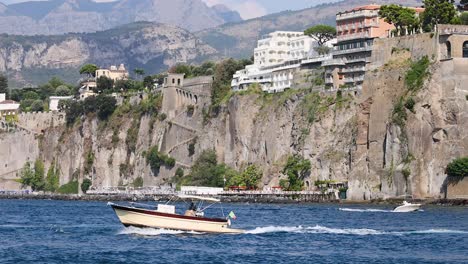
<point x="89" y="232"/>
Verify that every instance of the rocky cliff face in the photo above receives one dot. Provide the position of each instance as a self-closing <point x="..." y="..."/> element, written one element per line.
<point x="65" y="16"/>
<point x="349" y="137"/>
<point x="150" y="46"/>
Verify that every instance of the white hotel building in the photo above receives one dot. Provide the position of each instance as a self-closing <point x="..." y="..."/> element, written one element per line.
<point x="277" y="56"/>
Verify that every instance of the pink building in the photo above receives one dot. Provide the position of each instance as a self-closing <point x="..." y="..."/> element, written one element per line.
<point x="356" y="29"/>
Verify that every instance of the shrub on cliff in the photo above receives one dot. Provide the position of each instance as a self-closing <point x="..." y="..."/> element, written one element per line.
<point x="206" y="171"/>
<point x="52" y="179"/>
<point x="156" y="159"/>
<point x="458" y="168"/>
<point x="69" y="188"/>
<point x="249" y="178"/>
<point x="74" y="111"/>
<point x="85" y="185"/>
<point x="104" y="84"/>
<point x="297" y="168"/>
<point x="33" y="177"/>
<point x="106" y="106"/>
<point x="138" y="182"/>
<point x="418" y="72"/>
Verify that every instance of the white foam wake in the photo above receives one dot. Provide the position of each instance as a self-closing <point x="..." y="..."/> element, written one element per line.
<point x="152" y="231"/>
<point x="368" y="210"/>
<point x="345" y="231"/>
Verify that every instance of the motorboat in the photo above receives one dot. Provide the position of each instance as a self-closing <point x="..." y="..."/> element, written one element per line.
<point x="165" y="216"/>
<point x="407" y="207"/>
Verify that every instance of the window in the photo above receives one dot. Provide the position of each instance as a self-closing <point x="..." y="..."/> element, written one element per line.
<point x="449" y="49"/>
<point x="465" y="49"/>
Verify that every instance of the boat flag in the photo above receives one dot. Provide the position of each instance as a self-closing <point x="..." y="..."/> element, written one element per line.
<point x="232" y="215"/>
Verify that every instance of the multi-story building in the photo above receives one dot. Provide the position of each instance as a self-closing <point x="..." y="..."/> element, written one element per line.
<point x="356" y="30"/>
<point x="280" y="46"/>
<point x="277" y="56"/>
<point x="113" y="73"/>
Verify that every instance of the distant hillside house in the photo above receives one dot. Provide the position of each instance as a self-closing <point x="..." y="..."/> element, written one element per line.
<point x="86" y="89"/>
<point x="8" y="107"/>
<point x="113" y="73"/>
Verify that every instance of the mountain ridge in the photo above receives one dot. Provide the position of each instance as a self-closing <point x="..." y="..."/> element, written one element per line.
<point x="82" y="16"/>
<point x="31" y="60"/>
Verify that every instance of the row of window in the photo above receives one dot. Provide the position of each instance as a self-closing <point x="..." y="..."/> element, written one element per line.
<point x="355" y="45"/>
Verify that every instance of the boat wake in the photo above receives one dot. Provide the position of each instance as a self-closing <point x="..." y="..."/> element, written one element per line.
<point x="368" y="210"/>
<point x="153" y="231"/>
<point x="346" y="231"/>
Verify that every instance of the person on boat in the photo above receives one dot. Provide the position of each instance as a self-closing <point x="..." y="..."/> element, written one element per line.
<point x="191" y="211"/>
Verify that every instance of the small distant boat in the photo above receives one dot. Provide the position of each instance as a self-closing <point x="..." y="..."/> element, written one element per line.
<point x="407" y="207"/>
<point x="165" y="217"/>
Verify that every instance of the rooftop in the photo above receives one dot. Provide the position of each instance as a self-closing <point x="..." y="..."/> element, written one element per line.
<point x="377" y="7"/>
<point x="8" y="102"/>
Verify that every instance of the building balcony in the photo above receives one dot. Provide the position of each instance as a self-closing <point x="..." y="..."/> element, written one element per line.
<point x="355" y="50"/>
<point x="452" y="29"/>
<point x="317" y="59"/>
<point x="353" y="36"/>
<point x="356" y="60"/>
<point x="334" y="62"/>
<point x="367" y="25"/>
<point x="356" y="14"/>
<point x="354" y="69"/>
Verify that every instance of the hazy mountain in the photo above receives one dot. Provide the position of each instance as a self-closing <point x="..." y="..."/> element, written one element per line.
<point x="64" y="16"/>
<point x="154" y="47"/>
<point x="239" y="39"/>
<point x="227" y="14"/>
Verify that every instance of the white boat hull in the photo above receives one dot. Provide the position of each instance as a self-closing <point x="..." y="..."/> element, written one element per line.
<point x="407" y="208"/>
<point x="137" y="217"/>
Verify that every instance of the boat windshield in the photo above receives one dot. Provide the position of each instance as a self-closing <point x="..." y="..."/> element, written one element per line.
<point x="199" y="198"/>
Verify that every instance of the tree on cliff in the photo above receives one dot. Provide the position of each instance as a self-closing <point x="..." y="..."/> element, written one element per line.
<point x="106" y="106"/>
<point x="458" y="169"/>
<point x="297" y="168"/>
<point x="33" y="177"/>
<point x="62" y="90"/>
<point x="322" y="33"/>
<point x="104" y="84"/>
<point x="89" y="69"/>
<point x="401" y="17"/>
<point x="438" y="12"/>
<point x="73" y="112"/>
<point x="206" y="171"/>
<point x="3" y="84"/>
<point x="52" y="179"/>
<point x="222" y="78"/>
<point x="464" y="18"/>
<point x="248" y="178"/>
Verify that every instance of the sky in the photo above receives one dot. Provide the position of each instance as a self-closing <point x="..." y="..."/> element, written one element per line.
<point x="247" y="8"/>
